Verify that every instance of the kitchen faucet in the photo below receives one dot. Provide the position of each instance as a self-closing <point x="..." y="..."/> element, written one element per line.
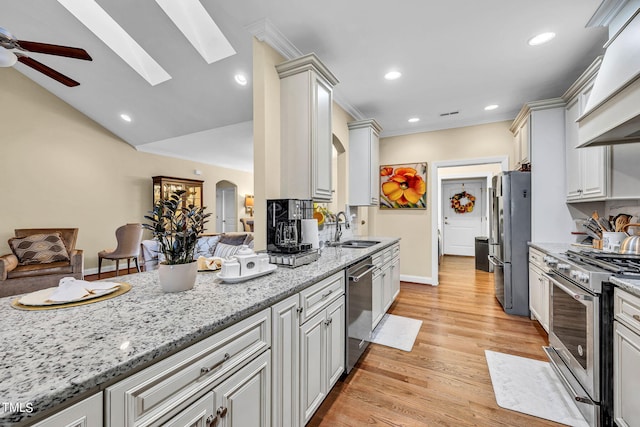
<point x="338" y="230"/>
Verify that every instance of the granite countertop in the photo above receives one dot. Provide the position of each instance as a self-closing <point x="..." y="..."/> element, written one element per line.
<point x="49" y="357"/>
<point x="551" y="248"/>
<point x="630" y="285"/>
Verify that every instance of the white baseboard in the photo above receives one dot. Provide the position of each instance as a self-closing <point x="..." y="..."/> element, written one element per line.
<point x="417" y="279"/>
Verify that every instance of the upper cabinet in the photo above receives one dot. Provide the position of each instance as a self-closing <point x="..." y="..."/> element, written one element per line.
<point x="521" y="141"/>
<point x="306" y="98"/>
<point x="364" y="168"/>
<point x="586" y="168"/>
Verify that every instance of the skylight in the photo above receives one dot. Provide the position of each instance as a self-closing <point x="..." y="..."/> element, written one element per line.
<point x="113" y="35"/>
<point x="199" y="28"/>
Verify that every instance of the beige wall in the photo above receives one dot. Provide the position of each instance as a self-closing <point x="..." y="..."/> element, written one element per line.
<point x="59" y="168"/>
<point x="414" y="227"/>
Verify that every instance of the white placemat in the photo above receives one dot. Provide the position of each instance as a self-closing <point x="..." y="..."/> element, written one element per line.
<point x="397" y="332"/>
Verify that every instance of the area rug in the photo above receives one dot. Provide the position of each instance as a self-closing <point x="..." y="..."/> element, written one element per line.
<point x="397" y="332"/>
<point x="531" y="387"/>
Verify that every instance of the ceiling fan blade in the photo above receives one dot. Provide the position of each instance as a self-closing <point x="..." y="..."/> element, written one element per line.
<point x="54" y="49"/>
<point x="38" y="66"/>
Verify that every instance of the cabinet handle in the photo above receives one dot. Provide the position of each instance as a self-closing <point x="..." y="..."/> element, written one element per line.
<point x="637" y="317"/>
<point x="211" y="421"/>
<point x="222" y="411"/>
<point x="327" y="294"/>
<point x="299" y="310"/>
<point x="204" y="370"/>
<point x="328" y="322"/>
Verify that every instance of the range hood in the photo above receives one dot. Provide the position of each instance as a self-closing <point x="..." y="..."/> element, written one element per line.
<point x="612" y="113"/>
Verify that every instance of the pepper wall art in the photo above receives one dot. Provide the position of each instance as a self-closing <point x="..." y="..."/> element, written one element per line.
<point x="403" y="186"/>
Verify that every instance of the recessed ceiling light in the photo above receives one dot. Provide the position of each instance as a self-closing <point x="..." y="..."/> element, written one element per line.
<point x="414" y="119"/>
<point x="116" y="38"/>
<point x="541" y="39"/>
<point x="491" y="107"/>
<point x="241" y="79"/>
<point x="198" y="27"/>
<point x="392" y="75"/>
<point x="125" y="117"/>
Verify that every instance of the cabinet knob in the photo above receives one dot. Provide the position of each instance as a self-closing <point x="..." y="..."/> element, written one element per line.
<point x="222" y="411"/>
<point x="211" y="421"/>
<point x="299" y="310"/>
<point x="637" y="317"/>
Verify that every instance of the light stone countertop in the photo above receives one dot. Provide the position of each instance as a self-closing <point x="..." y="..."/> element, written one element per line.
<point x="630" y="285"/>
<point x="551" y="248"/>
<point x="49" y="357"/>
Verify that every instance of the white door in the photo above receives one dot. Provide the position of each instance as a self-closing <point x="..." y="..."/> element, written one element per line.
<point x="463" y="217"/>
<point x="226" y="209"/>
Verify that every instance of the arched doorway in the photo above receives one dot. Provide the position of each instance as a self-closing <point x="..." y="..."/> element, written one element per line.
<point x="226" y="207"/>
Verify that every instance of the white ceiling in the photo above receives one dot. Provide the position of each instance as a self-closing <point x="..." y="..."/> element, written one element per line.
<point x="455" y="55"/>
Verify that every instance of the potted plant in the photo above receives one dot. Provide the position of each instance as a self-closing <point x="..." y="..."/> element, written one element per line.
<point x="176" y="228"/>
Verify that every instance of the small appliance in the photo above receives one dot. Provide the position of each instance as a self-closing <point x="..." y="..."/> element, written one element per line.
<point x="284" y="225"/>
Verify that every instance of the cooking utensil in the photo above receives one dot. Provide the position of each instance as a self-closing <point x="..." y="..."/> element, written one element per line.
<point x="605" y="224"/>
<point x="592" y="231"/>
<point x="621" y="220"/>
<point x="630" y="245"/>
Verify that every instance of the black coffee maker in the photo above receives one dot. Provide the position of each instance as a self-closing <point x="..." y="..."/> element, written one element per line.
<point x="284" y="225"/>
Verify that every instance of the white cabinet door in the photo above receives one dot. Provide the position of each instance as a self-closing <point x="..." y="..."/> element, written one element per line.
<point x="285" y="362"/>
<point x="524" y="142"/>
<point x="573" y="172"/>
<point x="364" y="168"/>
<point x="377" y="302"/>
<point x="544" y="303"/>
<point x="387" y="293"/>
<point x="395" y="279"/>
<point x="336" y="339"/>
<point x="313" y="365"/>
<point x="535" y="286"/>
<point x="86" y="413"/>
<point x="626" y="371"/>
<point x="199" y="414"/>
<point x="321" y="141"/>
<point x="244" y="398"/>
<point x="306" y="87"/>
<point x="594" y="172"/>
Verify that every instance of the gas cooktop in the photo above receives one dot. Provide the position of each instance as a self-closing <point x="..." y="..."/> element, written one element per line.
<point x="627" y="265"/>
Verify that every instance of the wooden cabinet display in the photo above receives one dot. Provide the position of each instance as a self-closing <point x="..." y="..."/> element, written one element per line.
<point x="87" y="413"/>
<point x="364" y="164"/>
<point x="164" y="186"/>
<point x="626" y="359"/>
<point x="306" y="98"/>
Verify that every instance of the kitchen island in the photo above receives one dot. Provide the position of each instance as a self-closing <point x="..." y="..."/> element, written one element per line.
<point x="54" y="358"/>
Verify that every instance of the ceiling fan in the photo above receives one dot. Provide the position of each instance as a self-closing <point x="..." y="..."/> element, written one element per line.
<point x="16" y="50"/>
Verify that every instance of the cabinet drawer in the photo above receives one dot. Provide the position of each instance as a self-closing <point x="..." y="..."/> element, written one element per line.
<point x="395" y="251"/>
<point x="154" y="394"/>
<point x="536" y="257"/>
<point x="627" y="309"/>
<point x="315" y="298"/>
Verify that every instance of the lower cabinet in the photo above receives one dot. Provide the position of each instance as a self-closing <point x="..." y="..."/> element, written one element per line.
<point x="322" y="356"/>
<point x="243" y="399"/>
<point x="538" y="289"/>
<point x="626" y="359"/>
<point x="395" y="278"/>
<point x="86" y="413"/>
<point x="386" y="281"/>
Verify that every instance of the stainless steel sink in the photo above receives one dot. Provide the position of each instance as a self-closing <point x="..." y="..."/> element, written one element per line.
<point x="360" y="244"/>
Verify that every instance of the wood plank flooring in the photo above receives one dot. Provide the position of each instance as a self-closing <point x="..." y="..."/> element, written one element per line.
<point x="444" y="380"/>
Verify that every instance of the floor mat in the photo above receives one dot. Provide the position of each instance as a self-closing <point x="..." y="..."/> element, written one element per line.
<point x="397" y="332"/>
<point x="532" y="387"/>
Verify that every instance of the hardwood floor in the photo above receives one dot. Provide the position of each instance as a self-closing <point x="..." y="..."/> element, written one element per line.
<point x="444" y="380"/>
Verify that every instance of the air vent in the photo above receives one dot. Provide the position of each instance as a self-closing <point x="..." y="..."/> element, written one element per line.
<point x="451" y="113"/>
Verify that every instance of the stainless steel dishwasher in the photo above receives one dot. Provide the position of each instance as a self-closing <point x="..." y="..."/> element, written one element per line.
<point x="359" y="309"/>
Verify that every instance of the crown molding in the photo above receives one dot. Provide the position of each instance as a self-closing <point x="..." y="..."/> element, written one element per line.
<point x="266" y="32"/>
<point x="605" y="13"/>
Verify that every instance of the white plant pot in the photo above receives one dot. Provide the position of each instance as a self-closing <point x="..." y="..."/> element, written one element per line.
<point x="178" y="277"/>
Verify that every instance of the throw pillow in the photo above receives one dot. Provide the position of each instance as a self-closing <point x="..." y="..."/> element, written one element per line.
<point x="205" y="246"/>
<point x="224" y="251"/>
<point x="39" y="249"/>
<point x="233" y="239"/>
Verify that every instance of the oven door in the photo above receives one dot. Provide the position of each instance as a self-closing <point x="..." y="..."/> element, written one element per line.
<point x="573" y="331"/>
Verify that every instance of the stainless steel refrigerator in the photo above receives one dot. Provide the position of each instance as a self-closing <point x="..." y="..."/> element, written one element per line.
<point x="510" y="234"/>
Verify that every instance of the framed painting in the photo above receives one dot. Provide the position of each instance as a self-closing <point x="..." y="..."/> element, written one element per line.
<point x="403" y="186"/>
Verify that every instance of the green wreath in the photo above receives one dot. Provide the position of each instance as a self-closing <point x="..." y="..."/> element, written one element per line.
<point x="458" y="206"/>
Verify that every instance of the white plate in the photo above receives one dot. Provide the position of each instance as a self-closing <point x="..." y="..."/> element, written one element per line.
<point x="237" y="279"/>
<point x="41" y="298"/>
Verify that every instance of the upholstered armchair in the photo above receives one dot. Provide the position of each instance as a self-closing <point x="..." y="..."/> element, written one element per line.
<point x="40" y="264"/>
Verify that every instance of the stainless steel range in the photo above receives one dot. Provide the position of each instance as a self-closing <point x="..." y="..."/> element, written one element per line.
<point x="581" y="326"/>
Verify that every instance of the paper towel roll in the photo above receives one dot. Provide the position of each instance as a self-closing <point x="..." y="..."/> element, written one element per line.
<point x="310" y="232"/>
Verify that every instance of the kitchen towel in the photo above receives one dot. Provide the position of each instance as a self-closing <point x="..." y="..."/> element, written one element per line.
<point x="310" y="232"/>
<point x="531" y="387"/>
<point x="397" y="332"/>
